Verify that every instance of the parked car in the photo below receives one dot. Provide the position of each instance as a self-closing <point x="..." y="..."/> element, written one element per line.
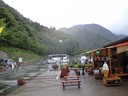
<point x="65" y="60"/>
<point x="51" y="61"/>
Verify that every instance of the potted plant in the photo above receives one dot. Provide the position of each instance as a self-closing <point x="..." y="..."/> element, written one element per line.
<point x="21" y="80"/>
<point x="64" y="71"/>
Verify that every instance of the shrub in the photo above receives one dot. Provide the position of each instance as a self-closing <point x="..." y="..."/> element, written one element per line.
<point x="79" y="66"/>
<point x="71" y="65"/>
<point x="55" y="66"/>
<point x="88" y="65"/>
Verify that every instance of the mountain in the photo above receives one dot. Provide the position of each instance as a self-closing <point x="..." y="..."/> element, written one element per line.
<point x="23" y="33"/>
<point x="121" y="36"/>
<point x="91" y="36"/>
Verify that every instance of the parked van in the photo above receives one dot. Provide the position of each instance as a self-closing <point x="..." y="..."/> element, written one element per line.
<point x="54" y="58"/>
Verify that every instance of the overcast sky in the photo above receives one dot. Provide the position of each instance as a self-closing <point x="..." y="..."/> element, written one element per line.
<point x="111" y="14"/>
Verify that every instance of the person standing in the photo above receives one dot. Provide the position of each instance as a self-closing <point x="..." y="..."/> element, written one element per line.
<point x="83" y="59"/>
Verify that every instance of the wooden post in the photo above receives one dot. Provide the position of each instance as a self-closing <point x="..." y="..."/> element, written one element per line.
<point x="92" y="57"/>
<point x="109" y="56"/>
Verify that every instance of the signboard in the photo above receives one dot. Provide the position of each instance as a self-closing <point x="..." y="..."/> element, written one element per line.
<point x="20" y="59"/>
<point x="122" y="49"/>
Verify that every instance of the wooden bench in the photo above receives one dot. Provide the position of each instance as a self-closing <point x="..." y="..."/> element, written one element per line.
<point x="70" y="83"/>
<point x="71" y="77"/>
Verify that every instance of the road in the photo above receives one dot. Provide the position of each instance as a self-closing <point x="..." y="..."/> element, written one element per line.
<point x="28" y="71"/>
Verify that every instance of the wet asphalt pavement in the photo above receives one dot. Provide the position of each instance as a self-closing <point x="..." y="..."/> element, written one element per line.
<point x="28" y="71"/>
<point x="48" y="84"/>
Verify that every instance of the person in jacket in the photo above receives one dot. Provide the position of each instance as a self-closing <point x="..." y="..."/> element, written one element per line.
<point x="83" y="60"/>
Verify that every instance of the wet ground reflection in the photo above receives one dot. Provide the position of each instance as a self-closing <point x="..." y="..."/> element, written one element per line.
<point x="25" y="70"/>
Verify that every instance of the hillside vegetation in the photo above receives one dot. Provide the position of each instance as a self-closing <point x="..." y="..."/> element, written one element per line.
<point x="15" y="53"/>
<point x="22" y="33"/>
<point x="91" y="36"/>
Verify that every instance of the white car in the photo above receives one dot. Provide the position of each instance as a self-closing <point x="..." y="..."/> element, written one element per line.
<point x="51" y="61"/>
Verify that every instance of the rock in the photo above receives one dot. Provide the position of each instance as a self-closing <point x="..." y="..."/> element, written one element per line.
<point x="3" y="55"/>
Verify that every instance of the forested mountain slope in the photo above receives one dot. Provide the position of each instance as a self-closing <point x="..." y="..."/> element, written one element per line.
<point x="21" y="32"/>
<point x="90" y="36"/>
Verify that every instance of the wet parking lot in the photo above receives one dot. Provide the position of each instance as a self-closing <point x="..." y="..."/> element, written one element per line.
<point x="47" y="84"/>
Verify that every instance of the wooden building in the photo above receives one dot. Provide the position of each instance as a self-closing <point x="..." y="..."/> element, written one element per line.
<point x="117" y="53"/>
<point x="116" y="56"/>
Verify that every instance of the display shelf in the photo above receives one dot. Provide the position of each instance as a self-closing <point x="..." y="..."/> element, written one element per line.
<point x="112" y="81"/>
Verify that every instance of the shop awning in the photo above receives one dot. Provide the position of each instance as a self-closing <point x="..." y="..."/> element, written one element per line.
<point x="118" y="45"/>
<point x="122" y="47"/>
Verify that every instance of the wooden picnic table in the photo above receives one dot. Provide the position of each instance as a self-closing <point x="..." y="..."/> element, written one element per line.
<point x="70" y="83"/>
<point x="71" y="77"/>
